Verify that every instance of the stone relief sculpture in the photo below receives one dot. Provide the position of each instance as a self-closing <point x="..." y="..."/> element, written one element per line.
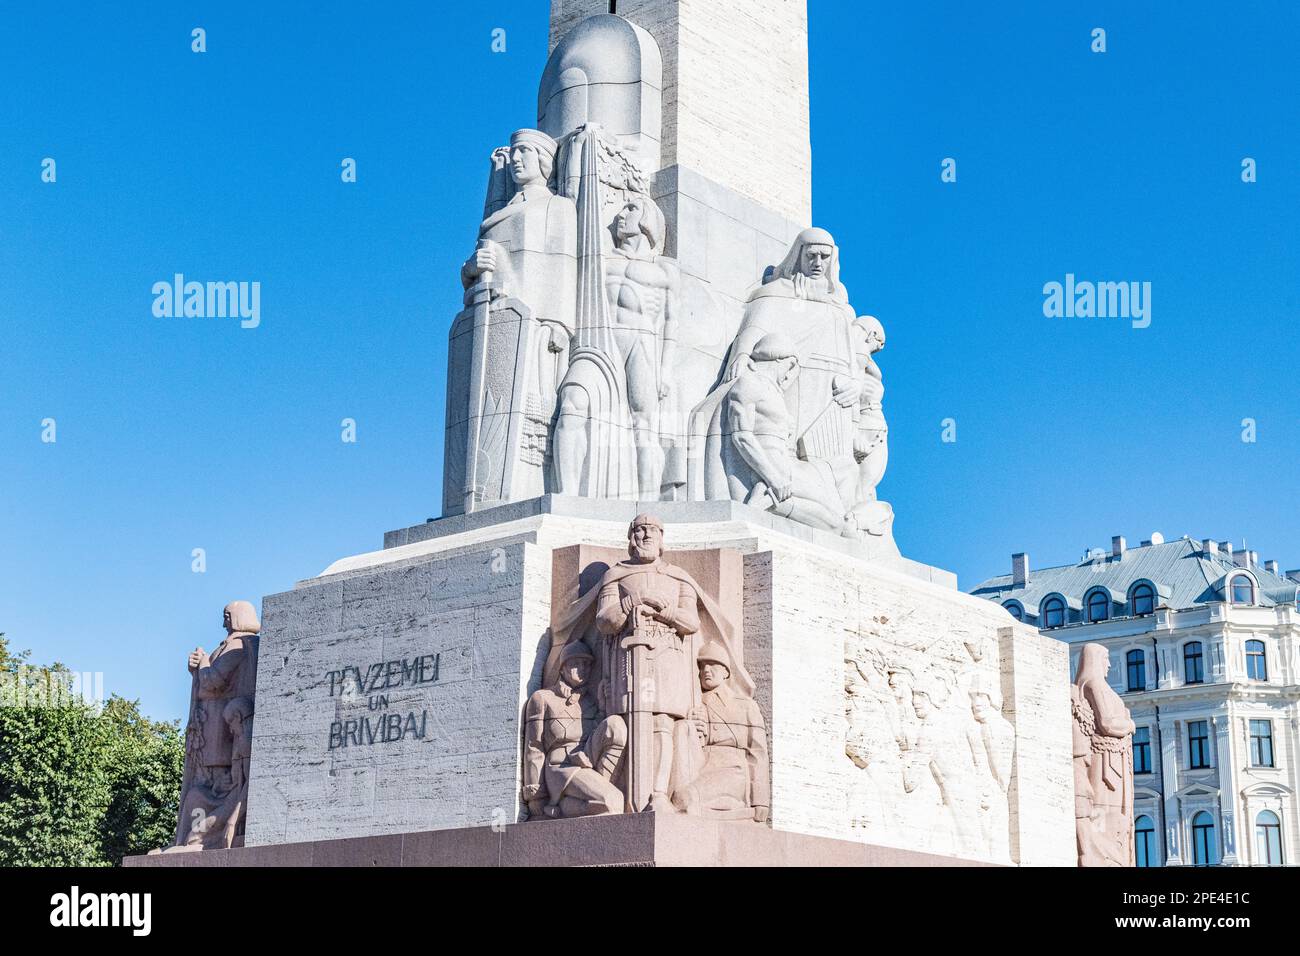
<point x="757" y="442"/>
<point x="874" y="741"/>
<point x="1103" y="764"/>
<point x="835" y="425"/>
<point x="509" y="346"/>
<point x="218" y="739"/>
<point x="992" y="744"/>
<point x="673" y="726"/>
<point x="932" y="755"/>
<point x="563" y="368"/>
<point x="733" y="780"/>
<point x="571" y="753"/>
<point x="618" y="375"/>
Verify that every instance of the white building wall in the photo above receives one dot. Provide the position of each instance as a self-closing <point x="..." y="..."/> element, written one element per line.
<point x="1232" y="791"/>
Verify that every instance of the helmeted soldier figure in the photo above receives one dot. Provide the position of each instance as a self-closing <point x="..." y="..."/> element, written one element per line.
<point x="570" y="754"/>
<point x="734" y="779"/>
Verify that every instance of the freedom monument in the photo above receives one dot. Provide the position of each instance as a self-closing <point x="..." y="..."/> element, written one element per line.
<point x="663" y="618"/>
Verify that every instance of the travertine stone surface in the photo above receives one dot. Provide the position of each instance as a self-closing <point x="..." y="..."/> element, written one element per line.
<point x="936" y="652"/>
<point x="480" y="597"/>
<point x="473" y="623"/>
<point x="735" y="73"/>
<point x="1038" y="799"/>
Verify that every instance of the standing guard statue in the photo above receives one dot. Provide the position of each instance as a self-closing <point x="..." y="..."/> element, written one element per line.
<point x="1103" y="764"/>
<point x="214" y="789"/>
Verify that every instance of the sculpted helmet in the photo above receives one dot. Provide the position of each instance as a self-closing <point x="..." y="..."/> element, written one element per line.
<point x="714" y="653"/>
<point x="575" y="650"/>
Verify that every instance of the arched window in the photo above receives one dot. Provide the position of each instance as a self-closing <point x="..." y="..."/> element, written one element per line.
<point x="1015" y="610"/>
<point x="1243" y="590"/>
<point x="1144" y="841"/>
<point x="1268" y="838"/>
<point x="1136" y="665"/>
<point x="1203" y="853"/>
<point x="1053" y="612"/>
<point x="1142" y="600"/>
<point x="1098" y="606"/>
<point x="1256" y="661"/>
<point x="1193" y="663"/>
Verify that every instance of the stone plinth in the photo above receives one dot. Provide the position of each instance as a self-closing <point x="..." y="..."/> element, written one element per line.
<point x="644" y="839"/>
<point x="447" y="628"/>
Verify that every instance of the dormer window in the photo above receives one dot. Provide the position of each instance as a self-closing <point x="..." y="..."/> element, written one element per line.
<point x="1143" y="600"/>
<point x="1242" y="589"/>
<point x="1015" y="610"/>
<point x="1098" y="606"/>
<point x="1053" y="612"/>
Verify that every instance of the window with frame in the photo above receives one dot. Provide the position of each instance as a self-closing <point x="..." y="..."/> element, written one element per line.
<point x="1135" y="664"/>
<point x="1142" y="750"/>
<point x="1261" y="743"/>
<point x="1203" y="852"/>
<point x="1053" y="612"/>
<point x="1193" y="663"/>
<point x="1243" y="590"/>
<point x="1268" y="838"/>
<point x="1013" y="608"/>
<point x="1144" y="841"/>
<point x="1098" y="606"/>
<point x="1256" y="661"/>
<point x="1198" y="744"/>
<point x="1143" y="600"/>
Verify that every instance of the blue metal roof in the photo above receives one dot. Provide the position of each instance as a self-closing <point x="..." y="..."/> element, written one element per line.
<point x="1183" y="572"/>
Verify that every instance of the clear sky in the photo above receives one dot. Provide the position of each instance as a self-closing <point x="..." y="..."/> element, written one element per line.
<point x="175" y="434"/>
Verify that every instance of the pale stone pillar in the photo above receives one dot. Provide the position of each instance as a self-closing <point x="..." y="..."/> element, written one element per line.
<point x="1170" y="732"/>
<point x="1224" y="765"/>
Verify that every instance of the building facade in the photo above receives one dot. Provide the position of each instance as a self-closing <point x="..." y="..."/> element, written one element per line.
<point x="1204" y="646"/>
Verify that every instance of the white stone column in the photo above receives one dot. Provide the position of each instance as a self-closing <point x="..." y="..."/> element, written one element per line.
<point x="1170" y="731"/>
<point x="1225" y="767"/>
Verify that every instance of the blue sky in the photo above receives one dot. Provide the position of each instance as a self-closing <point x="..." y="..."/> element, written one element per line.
<point x="176" y="434"/>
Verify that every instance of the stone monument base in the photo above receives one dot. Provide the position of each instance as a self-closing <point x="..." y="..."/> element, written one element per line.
<point x="641" y="839"/>
<point x="899" y="711"/>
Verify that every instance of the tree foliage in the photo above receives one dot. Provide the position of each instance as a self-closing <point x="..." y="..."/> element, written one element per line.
<point x="80" y="784"/>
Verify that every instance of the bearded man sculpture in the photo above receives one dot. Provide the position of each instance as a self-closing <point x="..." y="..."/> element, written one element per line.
<point x="803" y="301"/>
<point x="649" y="619"/>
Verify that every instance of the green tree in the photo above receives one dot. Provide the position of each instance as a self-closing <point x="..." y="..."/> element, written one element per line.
<point x="80" y="785"/>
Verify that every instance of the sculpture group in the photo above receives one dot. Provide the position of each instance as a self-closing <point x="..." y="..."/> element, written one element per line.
<point x="566" y="375"/>
<point x="646" y="703"/>
<point x="932" y="753"/>
<point x="562" y="373"/>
